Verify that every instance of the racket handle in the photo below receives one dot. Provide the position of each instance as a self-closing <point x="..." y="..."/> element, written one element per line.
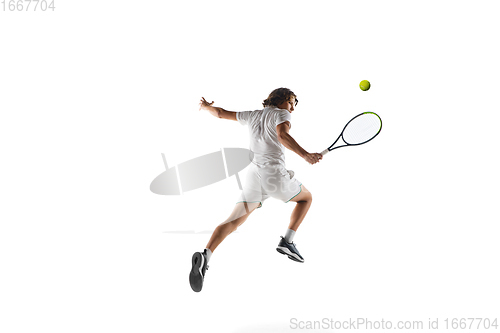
<point x="324" y="152"/>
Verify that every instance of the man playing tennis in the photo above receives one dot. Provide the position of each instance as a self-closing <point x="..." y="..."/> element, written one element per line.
<point x="266" y="177"/>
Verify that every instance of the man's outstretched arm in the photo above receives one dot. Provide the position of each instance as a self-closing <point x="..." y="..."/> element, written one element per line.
<point x="216" y="111"/>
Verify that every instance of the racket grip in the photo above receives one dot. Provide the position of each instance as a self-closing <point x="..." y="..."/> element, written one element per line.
<point x="324" y="152"/>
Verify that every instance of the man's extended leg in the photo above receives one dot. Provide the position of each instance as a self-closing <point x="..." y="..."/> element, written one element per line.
<point x="200" y="259"/>
<point x="239" y="215"/>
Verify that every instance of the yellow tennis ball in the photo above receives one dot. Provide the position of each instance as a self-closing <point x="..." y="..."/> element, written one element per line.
<point x="364" y="85"/>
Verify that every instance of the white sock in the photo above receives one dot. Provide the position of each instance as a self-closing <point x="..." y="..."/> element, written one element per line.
<point x="289" y="235"/>
<point x="209" y="254"/>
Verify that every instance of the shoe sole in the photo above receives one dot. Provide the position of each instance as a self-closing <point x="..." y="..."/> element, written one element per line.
<point x="196" y="276"/>
<point x="287" y="252"/>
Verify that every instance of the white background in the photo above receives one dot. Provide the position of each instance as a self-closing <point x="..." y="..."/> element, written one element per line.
<point x="403" y="228"/>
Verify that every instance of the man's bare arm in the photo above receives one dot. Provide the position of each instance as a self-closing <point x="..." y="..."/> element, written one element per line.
<point x="289" y="142"/>
<point x="216" y="111"/>
<point x="286" y="139"/>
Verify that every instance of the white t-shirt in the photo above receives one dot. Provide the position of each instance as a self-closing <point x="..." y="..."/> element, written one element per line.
<point x="264" y="141"/>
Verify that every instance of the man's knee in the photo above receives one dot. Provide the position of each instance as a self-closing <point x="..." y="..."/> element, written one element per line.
<point x="303" y="196"/>
<point x="309" y="197"/>
<point x="230" y="225"/>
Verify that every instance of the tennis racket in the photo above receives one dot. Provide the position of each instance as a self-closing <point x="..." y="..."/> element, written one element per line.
<point x="360" y="129"/>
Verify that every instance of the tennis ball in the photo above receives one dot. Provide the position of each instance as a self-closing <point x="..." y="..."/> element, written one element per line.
<point x="364" y="85"/>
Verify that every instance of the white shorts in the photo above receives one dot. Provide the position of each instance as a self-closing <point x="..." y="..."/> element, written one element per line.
<point x="269" y="181"/>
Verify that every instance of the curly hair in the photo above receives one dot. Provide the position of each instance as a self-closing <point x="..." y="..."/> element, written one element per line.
<point x="278" y="96"/>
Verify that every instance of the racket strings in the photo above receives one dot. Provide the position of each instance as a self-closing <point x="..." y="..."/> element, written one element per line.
<point x="362" y="129"/>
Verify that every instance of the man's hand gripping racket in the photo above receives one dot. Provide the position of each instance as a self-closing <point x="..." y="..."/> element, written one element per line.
<point x="360" y="129"/>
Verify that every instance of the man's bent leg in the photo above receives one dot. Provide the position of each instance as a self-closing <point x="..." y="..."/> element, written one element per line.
<point x="303" y="200"/>
<point x="239" y="215"/>
<point x="286" y="246"/>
